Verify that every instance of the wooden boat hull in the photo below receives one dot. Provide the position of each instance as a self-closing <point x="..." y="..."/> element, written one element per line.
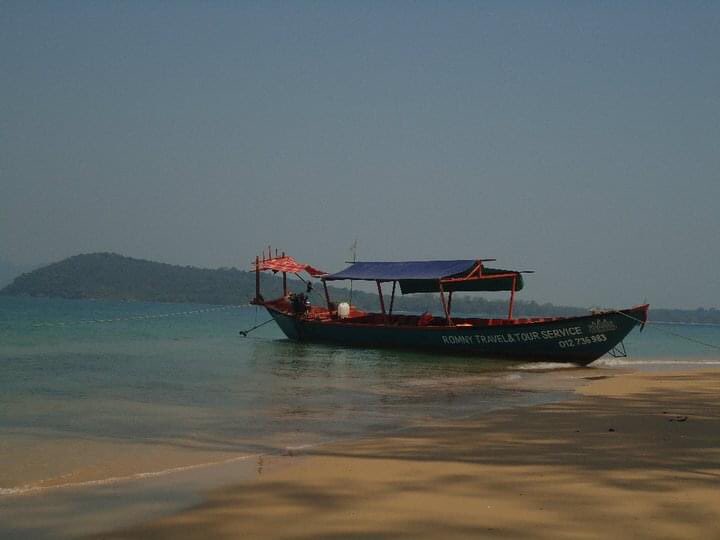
<point x="578" y="340"/>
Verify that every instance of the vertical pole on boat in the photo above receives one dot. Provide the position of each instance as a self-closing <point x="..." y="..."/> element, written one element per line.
<point x="257" y="278"/>
<point x="284" y="279"/>
<point x="327" y="295"/>
<point x="449" y="302"/>
<point x="382" y="300"/>
<point x="512" y="297"/>
<point x="392" y="299"/>
<point x="444" y="304"/>
<point x="353" y="248"/>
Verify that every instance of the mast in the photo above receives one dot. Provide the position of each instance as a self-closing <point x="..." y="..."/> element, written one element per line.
<point x="284" y="279"/>
<point x="257" y="279"/>
<point x="353" y="248"/>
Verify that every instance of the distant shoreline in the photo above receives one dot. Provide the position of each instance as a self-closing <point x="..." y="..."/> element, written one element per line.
<point x="109" y="276"/>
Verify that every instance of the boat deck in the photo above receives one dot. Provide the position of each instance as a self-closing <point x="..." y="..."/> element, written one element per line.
<point x="321" y="314"/>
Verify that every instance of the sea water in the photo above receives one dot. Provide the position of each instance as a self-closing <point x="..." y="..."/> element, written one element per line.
<point x="99" y="397"/>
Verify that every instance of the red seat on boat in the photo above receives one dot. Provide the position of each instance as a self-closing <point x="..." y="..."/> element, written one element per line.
<point x="425" y="319"/>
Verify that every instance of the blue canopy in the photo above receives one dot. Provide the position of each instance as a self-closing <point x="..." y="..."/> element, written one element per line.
<point x="398" y="271"/>
<point x="424" y="276"/>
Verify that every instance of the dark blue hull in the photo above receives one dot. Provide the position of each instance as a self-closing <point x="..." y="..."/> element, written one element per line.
<point x="578" y="340"/>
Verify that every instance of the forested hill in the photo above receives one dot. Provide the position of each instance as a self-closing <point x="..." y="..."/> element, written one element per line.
<point x="112" y="276"/>
<point x="116" y="277"/>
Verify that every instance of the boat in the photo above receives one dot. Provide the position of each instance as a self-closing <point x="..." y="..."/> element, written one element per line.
<point x="576" y="339"/>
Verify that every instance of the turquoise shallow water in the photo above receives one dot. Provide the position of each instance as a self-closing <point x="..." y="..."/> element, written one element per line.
<point x="180" y="378"/>
<point x="96" y="391"/>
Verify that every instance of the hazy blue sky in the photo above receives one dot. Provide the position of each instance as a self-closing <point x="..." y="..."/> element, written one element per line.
<point x="579" y="139"/>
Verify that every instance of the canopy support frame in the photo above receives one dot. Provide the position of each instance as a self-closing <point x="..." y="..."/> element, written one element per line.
<point x="444" y="303"/>
<point x="327" y="296"/>
<point x="382" y="300"/>
<point x="512" y="297"/>
<point x="392" y="299"/>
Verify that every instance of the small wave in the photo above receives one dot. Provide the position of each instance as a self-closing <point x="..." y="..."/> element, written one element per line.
<point x="434" y="382"/>
<point x="543" y="366"/>
<point x="304" y="446"/>
<point x="619" y="362"/>
<point x="34" y="488"/>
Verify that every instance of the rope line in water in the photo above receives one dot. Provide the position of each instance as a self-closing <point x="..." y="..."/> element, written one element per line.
<point x="680" y="323"/>
<point x="137" y="317"/>
<point x="671" y="333"/>
<point x="244" y="333"/>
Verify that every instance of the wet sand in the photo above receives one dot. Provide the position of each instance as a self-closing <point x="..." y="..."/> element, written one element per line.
<point x="635" y="455"/>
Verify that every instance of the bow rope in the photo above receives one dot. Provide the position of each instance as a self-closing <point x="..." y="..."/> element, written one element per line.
<point x="137" y="317"/>
<point x="671" y="333"/>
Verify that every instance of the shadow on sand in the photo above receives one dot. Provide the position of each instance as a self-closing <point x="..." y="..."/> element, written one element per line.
<point x="645" y="464"/>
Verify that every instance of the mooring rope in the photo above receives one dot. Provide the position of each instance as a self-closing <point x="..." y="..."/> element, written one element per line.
<point x="137" y="317"/>
<point x="669" y="332"/>
<point x="244" y="333"/>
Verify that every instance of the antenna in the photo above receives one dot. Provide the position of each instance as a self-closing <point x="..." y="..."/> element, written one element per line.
<point x="353" y="250"/>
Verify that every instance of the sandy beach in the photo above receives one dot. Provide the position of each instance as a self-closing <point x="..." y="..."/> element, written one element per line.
<point x="635" y="455"/>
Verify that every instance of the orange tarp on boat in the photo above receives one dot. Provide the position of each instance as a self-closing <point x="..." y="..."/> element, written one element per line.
<point x="289" y="265"/>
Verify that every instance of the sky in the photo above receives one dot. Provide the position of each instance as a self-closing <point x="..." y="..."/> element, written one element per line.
<point x="577" y="139"/>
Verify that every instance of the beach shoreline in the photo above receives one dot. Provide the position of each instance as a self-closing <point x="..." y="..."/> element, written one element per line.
<point x="633" y="455"/>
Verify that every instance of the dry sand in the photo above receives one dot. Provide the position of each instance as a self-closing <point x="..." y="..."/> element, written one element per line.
<point x="634" y="456"/>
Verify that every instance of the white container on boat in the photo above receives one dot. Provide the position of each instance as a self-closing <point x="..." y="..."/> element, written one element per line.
<point x="343" y="310"/>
